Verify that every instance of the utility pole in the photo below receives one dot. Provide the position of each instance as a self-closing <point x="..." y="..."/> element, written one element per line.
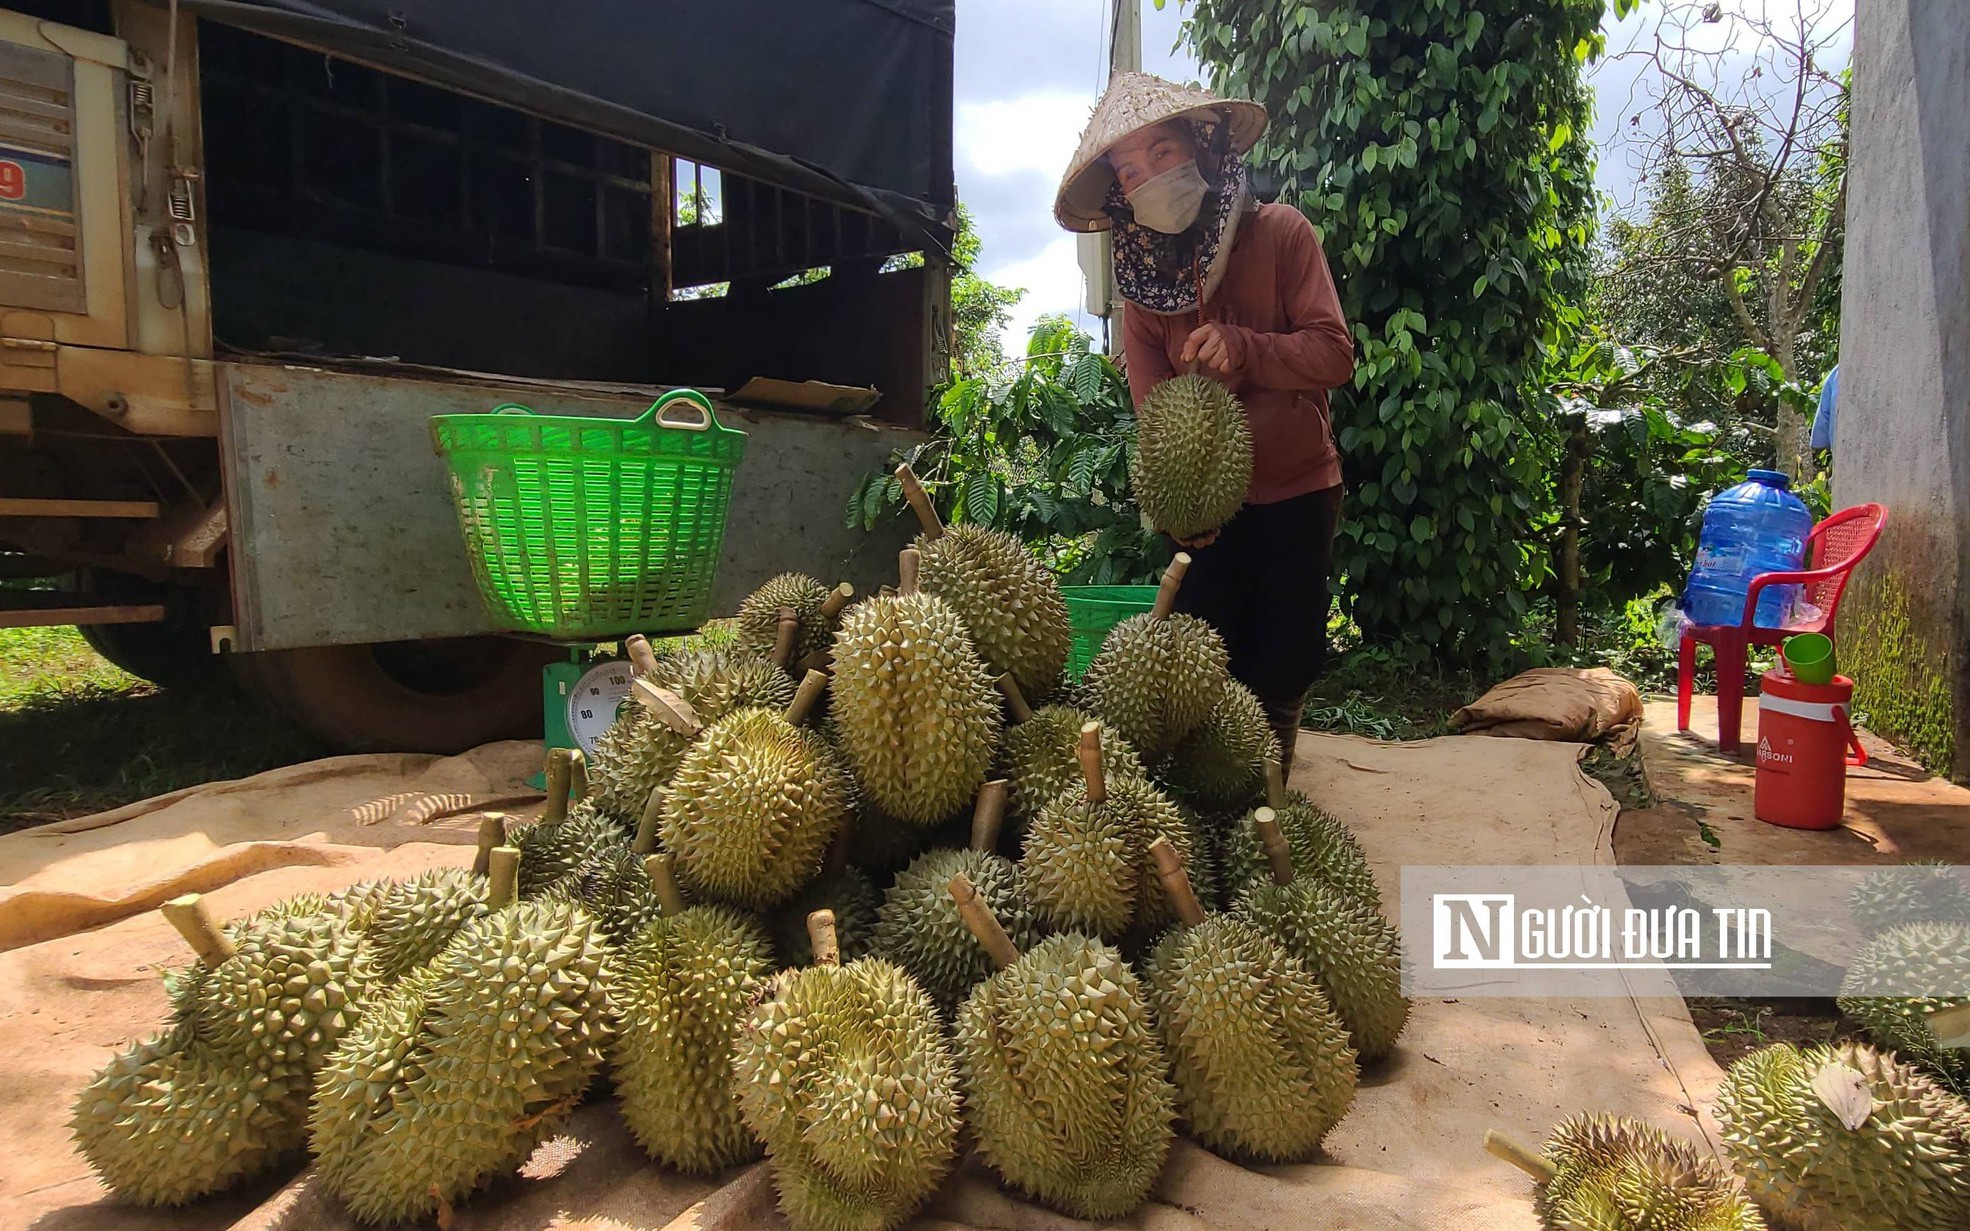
<point x="1097" y="265"/>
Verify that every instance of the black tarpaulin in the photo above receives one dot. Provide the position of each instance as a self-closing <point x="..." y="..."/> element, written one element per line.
<point x="849" y="100"/>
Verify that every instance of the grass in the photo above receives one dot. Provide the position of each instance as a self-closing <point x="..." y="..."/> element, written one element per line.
<point x="79" y="735"/>
<point x="1369" y="692"/>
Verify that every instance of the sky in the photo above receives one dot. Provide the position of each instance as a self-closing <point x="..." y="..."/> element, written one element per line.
<point x="1028" y="73"/>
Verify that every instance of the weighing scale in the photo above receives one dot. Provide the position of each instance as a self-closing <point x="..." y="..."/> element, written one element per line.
<point x="579" y="698"/>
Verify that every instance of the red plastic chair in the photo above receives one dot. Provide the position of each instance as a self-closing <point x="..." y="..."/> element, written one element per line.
<point x="1835" y="546"/>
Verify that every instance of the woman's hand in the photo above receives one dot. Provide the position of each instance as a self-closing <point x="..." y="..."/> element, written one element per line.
<point x="1203" y="540"/>
<point x="1218" y="351"/>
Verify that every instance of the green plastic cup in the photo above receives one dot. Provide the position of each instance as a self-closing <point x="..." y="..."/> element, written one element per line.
<point x="1809" y="657"/>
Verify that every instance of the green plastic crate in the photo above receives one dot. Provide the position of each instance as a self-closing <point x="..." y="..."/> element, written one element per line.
<point x="586" y="528"/>
<point x="1092" y="611"/>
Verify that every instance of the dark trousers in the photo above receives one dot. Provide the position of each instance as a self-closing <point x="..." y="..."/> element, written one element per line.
<point x="1263" y="586"/>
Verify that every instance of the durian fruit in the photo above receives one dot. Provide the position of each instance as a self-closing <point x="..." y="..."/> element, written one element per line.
<point x="1350" y="949"/>
<point x="563" y="838"/>
<point x="1008" y="600"/>
<point x="1847" y="1137"/>
<point x="680" y="988"/>
<point x="919" y="927"/>
<point x="1322" y="847"/>
<point x="845" y="891"/>
<point x="1610" y="1173"/>
<point x="815" y="608"/>
<point x="1038" y="758"/>
<point x="1925" y="891"/>
<point x="916" y="711"/>
<point x="1193" y="457"/>
<point x="1262" y="1064"/>
<point x="456" y="1075"/>
<point x="671" y="700"/>
<point x="1086" y="864"/>
<point x="1931" y="958"/>
<point x="755" y="805"/>
<point x="1221" y="764"/>
<point x="843" y="1072"/>
<point x="412" y="921"/>
<point x="1158" y="675"/>
<point x="1063" y="1072"/>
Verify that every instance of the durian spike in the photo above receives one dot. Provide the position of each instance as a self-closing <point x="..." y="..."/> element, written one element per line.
<point x="1015" y="699"/>
<point x="645" y="840"/>
<point x="988" y="814"/>
<point x="837" y="598"/>
<point x="1273" y="843"/>
<point x="200" y="930"/>
<point x="812" y="685"/>
<point x="577" y="774"/>
<point x="886" y="592"/>
<point x="785" y="637"/>
<point x="1166" y="593"/>
<point x="663" y="879"/>
<point x="821" y="938"/>
<point x="492" y="832"/>
<point x="908" y="561"/>
<point x="978" y="917"/>
<point x="502" y="876"/>
<point x="560" y="772"/>
<point x="1176" y="882"/>
<point x="1518" y="1156"/>
<point x="636" y="647"/>
<point x="919" y="500"/>
<point x="1090" y="755"/>
<point x="667" y="707"/>
<point x="1275" y="784"/>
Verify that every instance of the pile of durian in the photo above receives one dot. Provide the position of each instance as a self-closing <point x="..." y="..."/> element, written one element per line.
<point x="871" y="881"/>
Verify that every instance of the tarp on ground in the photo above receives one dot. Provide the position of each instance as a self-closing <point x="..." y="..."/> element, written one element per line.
<point x="83" y="949"/>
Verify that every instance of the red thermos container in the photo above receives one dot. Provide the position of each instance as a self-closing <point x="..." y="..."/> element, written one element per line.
<point x="1804" y="743"/>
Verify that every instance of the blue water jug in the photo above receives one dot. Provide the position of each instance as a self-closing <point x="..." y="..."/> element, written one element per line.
<point x="1756" y="527"/>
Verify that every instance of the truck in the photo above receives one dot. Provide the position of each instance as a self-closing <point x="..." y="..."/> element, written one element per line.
<point x="249" y="247"/>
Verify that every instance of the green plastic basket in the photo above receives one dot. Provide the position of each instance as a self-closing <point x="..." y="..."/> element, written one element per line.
<point x="1092" y="611"/>
<point x="585" y="528"/>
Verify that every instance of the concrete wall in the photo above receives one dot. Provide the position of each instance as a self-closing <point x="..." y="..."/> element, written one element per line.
<point x="1903" y="435"/>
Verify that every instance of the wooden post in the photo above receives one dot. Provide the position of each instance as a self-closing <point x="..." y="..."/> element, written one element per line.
<point x="663" y="879"/>
<point x="908" y="561"/>
<point x="982" y="923"/>
<point x="1573" y="480"/>
<point x="200" y="930"/>
<point x="785" y="637"/>
<point x="837" y="599"/>
<point x="1015" y="699"/>
<point x="1166" y="592"/>
<point x="988" y="814"/>
<point x="503" y="877"/>
<point x="1275" y="784"/>
<point x="821" y="936"/>
<point x="812" y="685"/>
<point x="1501" y="1146"/>
<point x="1089" y="754"/>
<point x="1176" y="882"/>
<point x="637" y="648"/>
<point x="667" y="707"/>
<point x="560" y="773"/>
<point x="492" y="832"/>
<point x="646" y="825"/>
<point x="919" y="502"/>
<point x="1277" y="853"/>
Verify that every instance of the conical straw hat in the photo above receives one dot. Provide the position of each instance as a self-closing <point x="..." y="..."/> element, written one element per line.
<point x="1133" y="101"/>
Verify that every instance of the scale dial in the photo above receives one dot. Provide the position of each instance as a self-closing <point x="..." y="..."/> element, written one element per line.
<point x="593" y="700"/>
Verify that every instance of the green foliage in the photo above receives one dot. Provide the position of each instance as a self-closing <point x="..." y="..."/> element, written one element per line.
<point x="1039" y="448"/>
<point x="1439" y="146"/>
<point x="980" y="310"/>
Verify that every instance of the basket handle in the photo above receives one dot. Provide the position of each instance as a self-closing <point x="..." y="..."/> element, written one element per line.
<point x="512" y="408"/>
<point x="688" y="400"/>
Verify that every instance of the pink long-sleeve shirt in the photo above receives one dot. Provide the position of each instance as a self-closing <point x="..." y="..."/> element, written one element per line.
<point x="1290" y="345"/>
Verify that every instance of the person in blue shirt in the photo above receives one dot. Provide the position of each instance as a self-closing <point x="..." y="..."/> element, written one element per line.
<point x="1823" y="419"/>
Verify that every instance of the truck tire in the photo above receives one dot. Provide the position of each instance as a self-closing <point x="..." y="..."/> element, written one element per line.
<point x="175" y="652"/>
<point x="405" y="696"/>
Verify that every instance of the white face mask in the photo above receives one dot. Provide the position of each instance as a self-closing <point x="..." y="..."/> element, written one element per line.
<point x="1169" y="202"/>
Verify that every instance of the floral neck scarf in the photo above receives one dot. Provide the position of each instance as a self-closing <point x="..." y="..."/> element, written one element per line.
<point x="1165" y="274"/>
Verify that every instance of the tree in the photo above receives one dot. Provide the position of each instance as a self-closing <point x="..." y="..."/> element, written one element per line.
<point x="980" y="310"/>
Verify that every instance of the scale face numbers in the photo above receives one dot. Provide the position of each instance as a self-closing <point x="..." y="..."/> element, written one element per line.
<point x="592" y="701"/>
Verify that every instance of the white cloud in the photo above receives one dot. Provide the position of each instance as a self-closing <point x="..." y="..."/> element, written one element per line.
<point x="1052" y="281"/>
<point x="1026" y="133"/>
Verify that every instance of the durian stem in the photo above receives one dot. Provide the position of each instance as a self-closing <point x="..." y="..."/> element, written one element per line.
<point x="908" y="561"/>
<point x="645" y="840"/>
<point x="821" y="936"/>
<point x="492" y="832"/>
<point x="663" y="879"/>
<point x="1275" y="784"/>
<point x="837" y="599"/>
<point x="1519" y="1156"/>
<point x="1090" y="755"/>
<point x="819" y="660"/>
<point x="667" y="707"/>
<point x="637" y="648"/>
<point x="988" y="814"/>
<point x="983" y="924"/>
<point x="560" y="771"/>
<point x="1166" y="593"/>
<point x="812" y="685"/>
<point x="1176" y="882"/>
<point x="784" y="638"/>
<point x="919" y="499"/>
<point x="502" y="877"/>
<point x="1277" y="853"/>
<point x="577" y="774"/>
<point x="1015" y="699"/>
<point x="200" y="930"/>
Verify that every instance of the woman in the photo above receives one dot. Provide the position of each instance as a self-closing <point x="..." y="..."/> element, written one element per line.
<point x="1215" y="283"/>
